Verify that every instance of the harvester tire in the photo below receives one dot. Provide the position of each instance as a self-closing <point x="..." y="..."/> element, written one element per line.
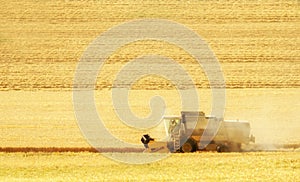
<point x="189" y="146"/>
<point x="235" y="147"/>
<point x="222" y="148"/>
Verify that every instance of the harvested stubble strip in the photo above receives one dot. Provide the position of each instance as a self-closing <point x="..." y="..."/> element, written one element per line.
<point x="67" y="149"/>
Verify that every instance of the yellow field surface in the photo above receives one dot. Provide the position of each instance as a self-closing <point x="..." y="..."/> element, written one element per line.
<point x="186" y="167"/>
<point x="41" y="42"/>
<point x="257" y="42"/>
<point x="47" y="118"/>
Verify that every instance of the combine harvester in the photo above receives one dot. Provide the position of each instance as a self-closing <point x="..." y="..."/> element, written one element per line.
<point x="189" y="133"/>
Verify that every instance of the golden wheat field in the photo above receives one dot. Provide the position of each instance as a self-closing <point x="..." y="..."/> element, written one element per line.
<point x="41" y="43"/>
<point x="178" y="167"/>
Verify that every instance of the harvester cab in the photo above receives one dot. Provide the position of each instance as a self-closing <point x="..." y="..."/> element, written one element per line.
<point x="175" y="130"/>
<point x="172" y="124"/>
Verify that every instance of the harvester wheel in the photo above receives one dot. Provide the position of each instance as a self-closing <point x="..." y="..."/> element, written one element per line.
<point x="189" y="146"/>
<point x="222" y="148"/>
<point x="235" y="147"/>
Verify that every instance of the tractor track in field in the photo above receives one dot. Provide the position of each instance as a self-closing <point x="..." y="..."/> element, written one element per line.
<point x="251" y="148"/>
<point x="67" y="149"/>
